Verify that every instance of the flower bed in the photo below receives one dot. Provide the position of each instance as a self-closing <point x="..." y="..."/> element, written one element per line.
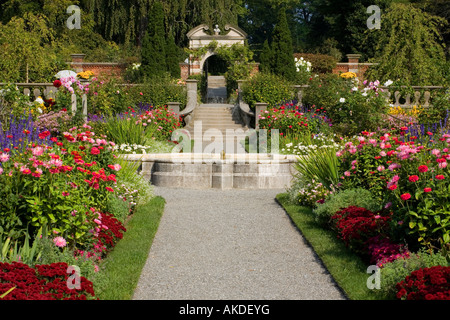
<point x="43" y="282"/>
<point x="426" y="284"/>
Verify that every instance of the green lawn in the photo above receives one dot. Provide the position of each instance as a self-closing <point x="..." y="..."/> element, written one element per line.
<point x="347" y="269"/>
<point x="123" y="266"/>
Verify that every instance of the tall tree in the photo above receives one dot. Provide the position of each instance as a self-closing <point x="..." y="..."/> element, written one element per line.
<point x="265" y="58"/>
<point x="154" y="44"/>
<point x="172" y="57"/>
<point x="411" y="47"/>
<point x="282" y="50"/>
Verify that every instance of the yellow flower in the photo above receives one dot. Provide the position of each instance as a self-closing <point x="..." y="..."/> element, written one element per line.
<point x="414" y="111"/>
<point x="85" y="74"/>
<point x="348" y="75"/>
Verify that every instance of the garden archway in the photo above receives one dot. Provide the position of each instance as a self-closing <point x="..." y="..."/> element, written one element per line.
<point x="202" y="40"/>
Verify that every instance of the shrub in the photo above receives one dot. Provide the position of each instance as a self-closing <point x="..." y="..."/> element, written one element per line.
<point x="426" y="284"/>
<point x="321" y="165"/>
<point x="320" y="63"/>
<point x="308" y="193"/>
<point x="409" y="173"/>
<point x="43" y="282"/>
<point x="350" y="108"/>
<point x="292" y="120"/>
<point x="343" y="199"/>
<point x="395" y="271"/>
<point x="56" y="186"/>
<point x="267" y="88"/>
<point x="356" y="225"/>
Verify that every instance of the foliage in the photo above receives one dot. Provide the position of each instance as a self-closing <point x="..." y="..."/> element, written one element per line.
<point x="437" y="111"/>
<point x="320" y="63"/>
<point x="154" y="44"/>
<point x="308" y="193"/>
<point x="350" y="109"/>
<point x="342" y="199"/>
<point x="425" y="284"/>
<point x="267" y="88"/>
<point x="56" y="186"/>
<point x="43" y="282"/>
<point x="407" y="172"/>
<point x="26" y="53"/>
<point x="126" y="128"/>
<point x="356" y="225"/>
<point x="292" y="120"/>
<point x="320" y="165"/>
<point x="281" y="50"/>
<point x="12" y="102"/>
<point x="303" y="69"/>
<point x="396" y="271"/>
<point x="421" y="56"/>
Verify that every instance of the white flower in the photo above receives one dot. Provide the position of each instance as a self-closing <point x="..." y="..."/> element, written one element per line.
<point x="39" y="100"/>
<point x="342" y="100"/>
<point x="364" y="94"/>
<point x="388" y="83"/>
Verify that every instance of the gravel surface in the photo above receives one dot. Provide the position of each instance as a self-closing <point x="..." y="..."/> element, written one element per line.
<point x="230" y="245"/>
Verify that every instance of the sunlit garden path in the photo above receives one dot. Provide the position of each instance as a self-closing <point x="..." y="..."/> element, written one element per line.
<point x="232" y="244"/>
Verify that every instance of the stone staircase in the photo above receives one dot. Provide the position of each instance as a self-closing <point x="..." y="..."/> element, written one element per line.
<point x="210" y="123"/>
<point x="217" y="89"/>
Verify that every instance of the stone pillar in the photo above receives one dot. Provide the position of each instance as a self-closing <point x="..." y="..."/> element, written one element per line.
<point x="174" y="106"/>
<point x="191" y="88"/>
<point x="259" y="107"/>
<point x="353" y="62"/>
<point x="77" y="61"/>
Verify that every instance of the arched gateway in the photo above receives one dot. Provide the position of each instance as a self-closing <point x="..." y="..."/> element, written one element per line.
<point x="200" y="38"/>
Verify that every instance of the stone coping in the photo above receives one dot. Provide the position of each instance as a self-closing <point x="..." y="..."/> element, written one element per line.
<point x="211" y="158"/>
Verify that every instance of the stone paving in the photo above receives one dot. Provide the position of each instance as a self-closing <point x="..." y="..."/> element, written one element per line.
<point x="230" y="245"/>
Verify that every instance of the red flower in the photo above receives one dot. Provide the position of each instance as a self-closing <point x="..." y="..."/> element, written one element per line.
<point x="95" y="150"/>
<point x="423" y="168"/>
<point x="426" y="189"/>
<point x="57" y="83"/>
<point x="413" y="178"/>
<point x="440" y="177"/>
<point x="393" y="187"/>
<point x="405" y="196"/>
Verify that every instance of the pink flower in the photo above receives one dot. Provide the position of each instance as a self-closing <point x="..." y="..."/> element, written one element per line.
<point x="380" y="168"/>
<point x="435" y="152"/>
<point x="4" y="157"/>
<point x="65" y="194"/>
<point x="347" y="173"/>
<point x="1" y="170"/>
<point x="442" y="165"/>
<point x="95" y="150"/>
<point x="59" y="242"/>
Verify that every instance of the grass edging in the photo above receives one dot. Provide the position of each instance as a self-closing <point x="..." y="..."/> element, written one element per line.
<point x="346" y="268"/>
<point x="123" y="266"/>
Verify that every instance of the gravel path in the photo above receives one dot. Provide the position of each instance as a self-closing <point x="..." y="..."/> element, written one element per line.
<point x="230" y="245"/>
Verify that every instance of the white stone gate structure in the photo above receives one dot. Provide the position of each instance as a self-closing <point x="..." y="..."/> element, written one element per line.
<point x="199" y="38"/>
